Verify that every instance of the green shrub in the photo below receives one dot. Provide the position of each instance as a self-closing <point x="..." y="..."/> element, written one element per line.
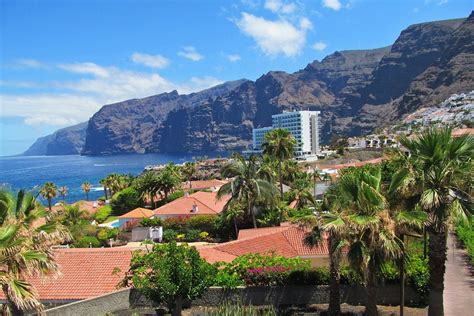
<point x="169" y="274"/>
<point x="173" y="196"/>
<point x="203" y="223"/>
<point x="102" y="213"/>
<point x="87" y="241"/>
<point x="192" y="235"/>
<point x="125" y="200"/>
<point x="178" y="224"/>
<point x="169" y="235"/>
<point x="465" y="232"/>
<point x="151" y="222"/>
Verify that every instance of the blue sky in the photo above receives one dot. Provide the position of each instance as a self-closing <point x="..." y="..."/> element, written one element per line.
<point x="60" y="61"/>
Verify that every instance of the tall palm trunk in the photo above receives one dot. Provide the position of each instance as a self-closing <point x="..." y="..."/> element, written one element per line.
<point x="437" y="265"/>
<point x="335" y="276"/>
<point x="371" y="290"/>
<point x="49" y="203"/>
<point x="87" y="196"/>
<point x="252" y="213"/>
<point x="105" y="193"/>
<point x="236" y="228"/>
<point x="280" y="177"/>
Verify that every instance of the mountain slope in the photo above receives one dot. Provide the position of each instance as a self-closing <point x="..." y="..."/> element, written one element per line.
<point x="66" y="141"/>
<point x="356" y="91"/>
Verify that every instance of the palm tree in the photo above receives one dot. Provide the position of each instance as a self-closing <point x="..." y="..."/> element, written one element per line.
<point x="331" y="225"/>
<point x="232" y="213"/>
<point x="86" y="187"/>
<point x="169" y="178"/>
<point x="436" y="174"/>
<point x="25" y="249"/>
<point x="279" y="145"/>
<point x="103" y="182"/>
<point x="372" y="240"/>
<point x="63" y="191"/>
<point x="49" y="191"/>
<point x="189" y="170"/>
<point x="301" y="191"/>
<point x="148" y="185"/>
<point x="249" y="184"/>
<point x="73" y="215"/>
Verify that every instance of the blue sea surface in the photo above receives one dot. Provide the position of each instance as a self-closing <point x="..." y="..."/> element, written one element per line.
<point x="31" y="171"/>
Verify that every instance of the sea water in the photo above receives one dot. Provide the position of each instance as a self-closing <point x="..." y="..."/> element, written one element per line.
<point x="31" y="172"/>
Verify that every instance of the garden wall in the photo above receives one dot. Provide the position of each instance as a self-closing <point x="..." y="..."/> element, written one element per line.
<point x="126" y="299"/>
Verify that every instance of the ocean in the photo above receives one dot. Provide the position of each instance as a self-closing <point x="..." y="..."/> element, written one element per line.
<point x="71" y="171"/>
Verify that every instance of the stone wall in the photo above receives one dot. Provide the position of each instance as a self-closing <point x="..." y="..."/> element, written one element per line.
<point x="126" y="300"/>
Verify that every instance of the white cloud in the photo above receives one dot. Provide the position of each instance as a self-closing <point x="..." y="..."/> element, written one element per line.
<point x="233" y="57"/>
<point x="190" y="53"/>
<point x="86" y="68"/>
<point x="332" y="4"/>
<point x="275" y="37"/>
<point x="153" y="61"/>
<point x="319" y="46"/>
<point x="278" y="6"/>
<point x="29" y="63"/>
<point x="80" y="99"/>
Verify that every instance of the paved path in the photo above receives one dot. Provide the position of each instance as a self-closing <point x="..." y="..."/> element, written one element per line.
<point x="458" y="282"/>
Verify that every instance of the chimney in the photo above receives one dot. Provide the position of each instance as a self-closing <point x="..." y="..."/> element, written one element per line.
<point x="195" y="208"/>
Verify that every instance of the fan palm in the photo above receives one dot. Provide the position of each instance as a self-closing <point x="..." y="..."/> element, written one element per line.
<point x="437" y="175"/>
<point x="86" y="187"/>
<point x="189" y="170"/>
<point x="248" y="185"/>
<point x="49" y="191"/>
<point x="104" y="184"/>
<point x="232" y="213"/>
<point x="63" y="191"/>
<point x="73" y="215"/>
<point x="25" y="249"/>
<point x="279" y="145"/>
<point x="148" y="185"/>
<point x="301" y="191"/>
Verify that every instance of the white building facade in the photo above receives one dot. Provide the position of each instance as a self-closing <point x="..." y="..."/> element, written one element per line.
<point x="303" y="125"/>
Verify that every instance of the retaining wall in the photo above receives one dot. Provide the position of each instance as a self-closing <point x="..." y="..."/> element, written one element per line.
<point x="127" y="299"/>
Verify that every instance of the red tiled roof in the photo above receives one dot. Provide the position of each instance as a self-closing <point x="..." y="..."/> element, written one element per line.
<point x="85" y="273"/>
<point x="139" y="212"/>
<point x="204" y="184"/>
<point x="212" y="255"/>
<point x="286" y="241"/>
<point x="462" y="131"/>
<point x="206" y="203"/>
<point x="252" y="232"/>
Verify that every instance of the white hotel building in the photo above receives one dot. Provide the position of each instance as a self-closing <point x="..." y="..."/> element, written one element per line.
<point x="303" y="125"/>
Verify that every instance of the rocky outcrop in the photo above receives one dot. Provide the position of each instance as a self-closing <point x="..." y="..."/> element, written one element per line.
<point x="66" y="141"/>
<point x="356" y="91"/>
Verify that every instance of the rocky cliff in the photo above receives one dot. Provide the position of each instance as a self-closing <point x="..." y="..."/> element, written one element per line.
<point x="66" y="141"/>
<point x="356" y="91"/>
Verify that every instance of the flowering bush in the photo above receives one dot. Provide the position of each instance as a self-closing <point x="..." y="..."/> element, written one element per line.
<point x="262" y="276"/>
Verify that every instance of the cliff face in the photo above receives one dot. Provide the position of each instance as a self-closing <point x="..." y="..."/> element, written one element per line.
<point x="356" y="91"/>
<point x="66" y="141"/>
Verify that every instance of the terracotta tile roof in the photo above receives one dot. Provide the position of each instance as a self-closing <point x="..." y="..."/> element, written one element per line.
<point x="87" y="206"/>
<point x="252" y="232"/>
<point x="85" y="273"/>
<point x="206" y="203"/>
<point x="462" y="131"/>
<point x="139" y="212"/>
<point x="204" y="184"/>
<point x="286" y="241"/>
<point x="212" y="255"/>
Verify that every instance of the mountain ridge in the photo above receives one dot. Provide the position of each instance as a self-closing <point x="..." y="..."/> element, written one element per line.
<point x="356" y="90"/>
